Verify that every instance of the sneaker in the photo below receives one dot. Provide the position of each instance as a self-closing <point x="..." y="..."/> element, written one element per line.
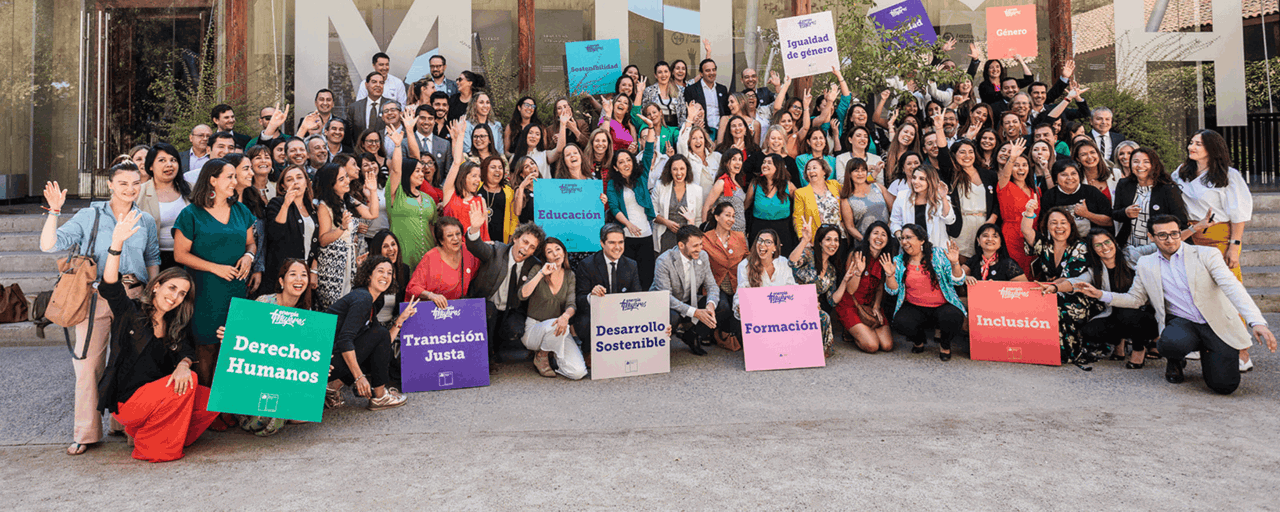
<point x="333" y="398"/>
<point x="1245" y="366"/>
<point x="392" y="398"/>
<point x="1193" y="356"/>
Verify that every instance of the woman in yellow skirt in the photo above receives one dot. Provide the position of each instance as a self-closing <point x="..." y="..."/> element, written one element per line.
<point x="1216" y="192"/>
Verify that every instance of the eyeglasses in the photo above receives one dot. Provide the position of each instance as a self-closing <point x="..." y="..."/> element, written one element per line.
<point x="764" y="241"/>
<point x="1104" y="243"/>
<point x="527" y="105"/>
<point x="1171" y="235"/>
<point x="480" y="136"/>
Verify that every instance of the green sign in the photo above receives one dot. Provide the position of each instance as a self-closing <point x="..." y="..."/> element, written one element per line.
<point x="274" y="361"/>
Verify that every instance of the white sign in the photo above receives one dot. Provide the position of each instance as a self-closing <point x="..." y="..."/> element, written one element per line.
<point x="629" y="334"/>
<point x="808" y="44"/>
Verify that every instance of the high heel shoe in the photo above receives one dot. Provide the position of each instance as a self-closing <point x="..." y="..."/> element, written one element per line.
<point x="944" y="356"/>
<point x="917" y="348"/>
<point x="1134" y="366"/>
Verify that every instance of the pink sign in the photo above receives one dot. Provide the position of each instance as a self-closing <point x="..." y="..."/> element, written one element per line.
<point x="780" y="327"/>
<point x="1011" y="31"/>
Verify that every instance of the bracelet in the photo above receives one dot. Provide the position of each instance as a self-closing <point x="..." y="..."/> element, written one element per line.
<point x="1025" y="216"/>
<point x="358" y="379"/>
<point x="250" y="255"/>
<point x="113" y="252"/>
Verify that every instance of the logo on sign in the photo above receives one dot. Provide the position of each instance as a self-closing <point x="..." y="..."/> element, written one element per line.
<point x="780" y="297"/>
<point x="632" y="366"/>
<point x="592" y="48"/>
<point x="807" y="23"/>
<point x="1015" y="353"/>
<point x="268" y="402"/>
<point x="1012" y="11"/>
<point x="286" y="318"/>
<point x="446" y="313"/>
<point x="1014" y="293"/>
<point x="897" y="11"/>
<point x="446" y="379"/>
<point x="632" y="304"/>
<point x="570" y="188"/>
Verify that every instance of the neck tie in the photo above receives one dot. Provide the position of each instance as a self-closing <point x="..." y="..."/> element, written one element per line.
<point x="513" y="296"/>
<point x="373" y="112"/>
<point x="613" y="277"/>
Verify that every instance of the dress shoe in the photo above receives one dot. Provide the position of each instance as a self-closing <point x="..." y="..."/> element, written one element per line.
<point x="1193" y="356"/>
<point x="1173" y="371"/>
<point x="1134" y="366"/>
<point x="696" y="347"/>
<point x="917" y="349"/>
<point x="541" y="361"/>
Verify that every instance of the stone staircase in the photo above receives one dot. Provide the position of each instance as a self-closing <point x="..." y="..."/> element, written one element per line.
<point x="1260" y="261"/>
<point x="22" y="262"/>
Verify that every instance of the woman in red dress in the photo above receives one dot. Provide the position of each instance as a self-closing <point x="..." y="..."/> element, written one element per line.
<point x="445" y="272"/>
<point x="859" y="310"/>
<point x="1013" y="190"/>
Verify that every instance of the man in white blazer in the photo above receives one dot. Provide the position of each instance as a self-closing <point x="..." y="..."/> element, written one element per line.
<point x="685" y="271"/>
<point x="1198" y="305"/>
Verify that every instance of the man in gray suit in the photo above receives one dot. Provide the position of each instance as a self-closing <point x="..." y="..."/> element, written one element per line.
<point x="1198" y="304"/>
<point x="366" y="113"/>
<point x="685" y="271"/>
<point x="429" y="144"/>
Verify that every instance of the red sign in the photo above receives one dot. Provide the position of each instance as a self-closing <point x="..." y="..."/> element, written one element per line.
<point x="1014" y="323"/>
<point x="1011" y="31"/>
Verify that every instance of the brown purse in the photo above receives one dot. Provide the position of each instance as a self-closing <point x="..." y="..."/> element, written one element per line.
<point x="13" y="305"/>
<point x="865" y="314"/>
<point x="74" y="298"/>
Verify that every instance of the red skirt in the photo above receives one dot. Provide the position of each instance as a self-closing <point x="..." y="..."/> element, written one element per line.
<point x="162" y="422"/>
<point x="847" y="314"/>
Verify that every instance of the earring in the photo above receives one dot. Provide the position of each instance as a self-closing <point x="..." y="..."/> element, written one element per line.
<point x="212" y="195"/>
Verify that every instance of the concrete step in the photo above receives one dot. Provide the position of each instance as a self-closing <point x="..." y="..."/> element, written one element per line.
<point x="1267" y="298"/>
<point x="1255" y="277"/>
<point x="1260" y="255"/>
<point x="1267" y="201"/>
<point x="31" y="282"/>
<point x="30" y="261"/>
<point x="1254" y="235"/>
<point x="20" y="241"/>
<point x="1264" y="218"/>
<point x="28" y="222"/>
<point x="23" y="334"/>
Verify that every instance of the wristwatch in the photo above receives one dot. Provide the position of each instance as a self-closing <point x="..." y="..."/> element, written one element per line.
<point x="1234" y="242"/>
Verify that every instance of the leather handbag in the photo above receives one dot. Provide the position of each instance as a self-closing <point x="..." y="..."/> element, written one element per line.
<point x="867" y="315"/>
<point x="74" y="298"/>
<point x="13" y="305"/>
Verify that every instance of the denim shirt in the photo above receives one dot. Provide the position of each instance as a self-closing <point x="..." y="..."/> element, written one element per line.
<point x="946" y="281"/>
<point x="140" y="251"/>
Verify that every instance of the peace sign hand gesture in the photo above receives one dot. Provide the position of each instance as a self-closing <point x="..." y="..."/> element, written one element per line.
<point x="409" y="310"/>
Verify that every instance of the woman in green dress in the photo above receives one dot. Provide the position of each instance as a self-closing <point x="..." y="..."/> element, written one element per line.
<point x="213" y="238"/>
<point x="410" y="210"/>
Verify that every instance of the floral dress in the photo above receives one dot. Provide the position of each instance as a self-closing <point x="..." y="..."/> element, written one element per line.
<point x="337" y="264"/>
<point x="1074" y="309"/>
<point x="806" y="272"/>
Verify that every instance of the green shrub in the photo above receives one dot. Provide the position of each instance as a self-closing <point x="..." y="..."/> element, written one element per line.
<point x="1148" y="122"/>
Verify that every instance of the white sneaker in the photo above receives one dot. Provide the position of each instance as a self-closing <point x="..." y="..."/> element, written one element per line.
<point x="1245" y="366"/>
<point x="1193" y="356"/>
<point x="392" y="398"/>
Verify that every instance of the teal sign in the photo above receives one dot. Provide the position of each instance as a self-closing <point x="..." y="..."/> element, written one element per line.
<point x="274" y="361"/>
<point x="594" y="66"/>
<point x="571" y="211"/>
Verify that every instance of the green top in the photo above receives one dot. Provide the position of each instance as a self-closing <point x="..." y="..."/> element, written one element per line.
<point x="544" y="305"/>
<point x="411" y="220"/>
<point x="221" y="244"/>
<point x="666" y="136"/>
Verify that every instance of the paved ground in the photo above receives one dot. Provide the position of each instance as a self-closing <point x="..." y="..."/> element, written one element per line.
<point x="892" y="431"/>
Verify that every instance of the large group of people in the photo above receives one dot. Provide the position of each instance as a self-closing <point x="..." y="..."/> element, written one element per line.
<point x="890" y="205"/>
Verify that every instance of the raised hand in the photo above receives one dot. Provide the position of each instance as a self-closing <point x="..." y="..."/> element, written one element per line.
<point x="1033" y="206"/>
<point x="943" y="190"/>
<point x="972" y="131"/>
<point x="477" y="216"/>
<point x="125" y="228"/>
<point x="410" y="309"/>
<point x="550" y="268"/>
<point x="973" y="52"/>
<point x="396" y="136"/>
<point x="884" y="95"/>
<point x="640" y="83"/>
<point x="773" y="79"/>
<point x="807" y="231"/>
<point x="346" y="220"/>
<point x="687" y="213"/>
<point x="948" y="45"/>
<point x="457" y="130"/>
<point x="54" y="195"/>
<point x="953" y="252"/>
<point x="859" y="263"/>
<point x="1069" y="69"/>
<point x="1019" y="145"/>
<point x="886" y="262"/>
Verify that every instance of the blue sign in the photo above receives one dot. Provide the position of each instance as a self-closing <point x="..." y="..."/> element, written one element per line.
<point x="593" y="66"/>
<point x="571" y="211"/>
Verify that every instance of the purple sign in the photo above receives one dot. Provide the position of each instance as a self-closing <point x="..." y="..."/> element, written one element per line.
<point x="445" y="348"/>
<point x="910" y="12"/>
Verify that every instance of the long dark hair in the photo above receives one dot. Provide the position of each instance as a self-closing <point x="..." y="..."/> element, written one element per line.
<point x="864" y="246"/>
<point x="668" y="178"/>
<point x="1124" y="273"/>
<point x="1214" y="145"/>
<point x="201" y="195"/>
<point x="755" y="265"/>
<point x="516" y="119"/>
<point x="748" y="138"/>
<point x="1073" y="234"/>
<point x="179" y="183"/>
<point x="307" y="197"/>
<point x="960" y="182"/>
<point x="521" y="147"/>
<point x="250" y="198"/>
<point x="820" y="261"/>
<point x="475" y="150"/>
<point x="1159" y="175"/>
<point x="719" y="208"/>
<point x="616" y="177"/>
<point x="176" y="320"/>
<point x="780" y="176"/>
<point x="326" y="178"/>
<point x="926" y="252"/>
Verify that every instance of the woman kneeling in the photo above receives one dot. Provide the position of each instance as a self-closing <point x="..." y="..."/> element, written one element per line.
<point x="362" y="348"/>
<point x="149" y="384"/>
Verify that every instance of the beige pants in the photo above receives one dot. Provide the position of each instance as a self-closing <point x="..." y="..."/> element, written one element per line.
<point x="88" y="420"/>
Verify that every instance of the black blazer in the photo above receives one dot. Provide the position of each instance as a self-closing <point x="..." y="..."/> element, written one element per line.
<point x="693" y="94"/>
<point x="989" y="180"/>
<point x="493" y="269"/>
<point x="595" y="271"/>
<point x="284" y="241"/>
<point x="1166" y="199"/>
<point x="355" y="117"/>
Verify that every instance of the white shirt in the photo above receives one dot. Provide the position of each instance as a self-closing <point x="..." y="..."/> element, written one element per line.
<point x="904" y="212"/>
<point x="692" y="299"/>
<point x="168" y="214"/>
<point x="713" y="104"/>
<point x="424" y="142"/>
<point x="1104" y="143"/>
<point x="872" y="159"/>
<point x="635" y="213"/>
<point x="1232" y="203"/>
<point x="393" y="89"/>
<point x="782" y="276"/>
<point x="609" y="265"/>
